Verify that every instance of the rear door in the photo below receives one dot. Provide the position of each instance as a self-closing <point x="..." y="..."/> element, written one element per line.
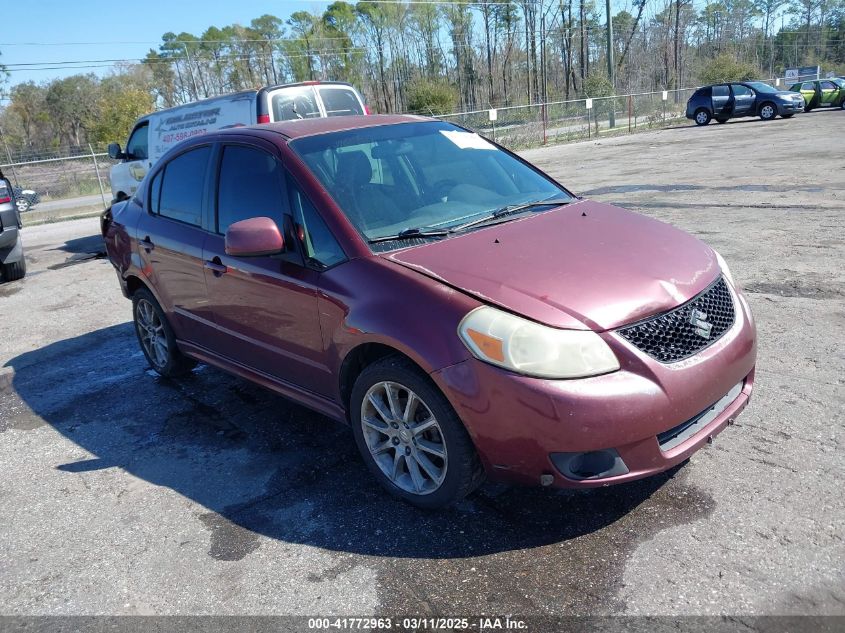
<point x="171" y="236"/>
<point x="808" y="91"/>
<point x="721" y="101"/>
<point x="744" y="99"/>
<point x="265" y="307"/>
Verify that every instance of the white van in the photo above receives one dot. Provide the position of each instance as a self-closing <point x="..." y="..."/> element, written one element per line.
<point x="156" y="133"/>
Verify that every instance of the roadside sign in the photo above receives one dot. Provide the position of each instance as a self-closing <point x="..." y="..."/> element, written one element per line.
<point x="665" y="95"/>
<point x="589" y="104"/>
<point x="493" y="114"/>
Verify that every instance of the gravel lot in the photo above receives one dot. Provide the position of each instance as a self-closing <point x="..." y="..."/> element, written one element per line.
<point x="127" y="494"/>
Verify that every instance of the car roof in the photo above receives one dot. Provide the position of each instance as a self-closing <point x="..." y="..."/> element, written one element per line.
<point x="310" y="127"/>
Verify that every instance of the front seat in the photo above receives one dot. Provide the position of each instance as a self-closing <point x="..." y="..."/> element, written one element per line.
<point x="364" y="202"/>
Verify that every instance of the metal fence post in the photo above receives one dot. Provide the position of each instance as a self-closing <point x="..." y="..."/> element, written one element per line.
<point x="11" y="162"/>
<point x="99" y="180"/>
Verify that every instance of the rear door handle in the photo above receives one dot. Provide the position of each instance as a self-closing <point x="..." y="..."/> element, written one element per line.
<point x="146" y="244"/>
<point x="216" y="267"/>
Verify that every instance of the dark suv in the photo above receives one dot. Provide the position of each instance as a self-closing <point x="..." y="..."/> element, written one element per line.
<point x="734" y="100"/>
<point x="12" y="262"/>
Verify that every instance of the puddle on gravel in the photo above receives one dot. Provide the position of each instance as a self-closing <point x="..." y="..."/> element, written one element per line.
<point x="229" y="541"/>
<point x="795" y="289"/>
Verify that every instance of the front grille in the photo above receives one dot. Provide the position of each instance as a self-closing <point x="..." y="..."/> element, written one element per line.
<point x="672" y="336"/>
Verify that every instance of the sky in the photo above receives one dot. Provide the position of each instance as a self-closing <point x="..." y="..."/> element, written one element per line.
<point x="65" y="30"/>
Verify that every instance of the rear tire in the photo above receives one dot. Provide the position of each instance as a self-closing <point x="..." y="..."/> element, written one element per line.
<point x="22" y="204"/>
<point x="156" y="337"/>
<point x="14" y="270"/>
<point x="702" y="117"/>
<point x="422" y="455"/>
<point x="788" y="116"/>
<point x="768" y="111"/>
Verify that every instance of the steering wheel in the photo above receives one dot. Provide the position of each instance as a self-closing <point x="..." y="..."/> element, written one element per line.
<point x="442" y="188"/>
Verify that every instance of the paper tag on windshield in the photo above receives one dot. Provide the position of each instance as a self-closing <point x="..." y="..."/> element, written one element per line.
<point x="467" y="140"/>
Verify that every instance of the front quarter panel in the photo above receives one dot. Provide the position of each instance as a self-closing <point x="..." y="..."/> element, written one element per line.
<point x="119" y="237"/>
<point x="372" y="300"/>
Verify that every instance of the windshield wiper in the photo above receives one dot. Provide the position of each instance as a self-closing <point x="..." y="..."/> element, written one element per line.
<point x="508" y="210"/>
<point x="408" y="234"/>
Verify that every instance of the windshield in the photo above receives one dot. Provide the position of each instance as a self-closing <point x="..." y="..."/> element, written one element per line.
<point x="428" y="175"/>
<point x="759" y="86"/>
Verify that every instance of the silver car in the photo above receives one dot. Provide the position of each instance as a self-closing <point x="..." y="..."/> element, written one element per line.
<point x="12" y="262"/>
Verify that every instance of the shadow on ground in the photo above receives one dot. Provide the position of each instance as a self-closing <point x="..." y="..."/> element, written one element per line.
<point x="262" y="465"/>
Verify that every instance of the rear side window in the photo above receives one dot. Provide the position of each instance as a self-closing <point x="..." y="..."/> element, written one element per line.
<point x="182" y="185"/>
<point x="340" y="101"/>
<point x="828" y="85"/>
<point x="250" y="186"/>
<point x="137" y="147"/>
<point x="720" y="91"/>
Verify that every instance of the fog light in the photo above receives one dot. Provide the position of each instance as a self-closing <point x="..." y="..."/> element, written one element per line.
<point x="591" y="465"/>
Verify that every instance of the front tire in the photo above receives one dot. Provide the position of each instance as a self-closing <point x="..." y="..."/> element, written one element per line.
<point x="156" y="337"/>
<point x="14" y="270"/>
<point x="410" y="437"/>
<point x="768" y="111"/>
<point x="702" y="117"/>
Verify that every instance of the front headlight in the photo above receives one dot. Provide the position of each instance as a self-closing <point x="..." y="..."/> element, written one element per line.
<point x="528" y="348"/>
<point x="725" y="270"/>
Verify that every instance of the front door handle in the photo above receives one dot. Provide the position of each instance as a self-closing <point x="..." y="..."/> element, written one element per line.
<point x="146" y="244"/>
<point x="216" y="266"/>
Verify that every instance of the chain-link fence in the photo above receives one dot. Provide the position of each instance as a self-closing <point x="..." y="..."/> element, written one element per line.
<point x="520" y="127"/>
<point x="59" y="173"/>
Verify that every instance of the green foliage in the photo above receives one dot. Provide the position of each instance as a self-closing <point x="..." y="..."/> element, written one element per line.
<point x="118" y="107"/>
<point x="727" y="67"/>
<point x="431" y="97"/>
<point x="597" y="86"/>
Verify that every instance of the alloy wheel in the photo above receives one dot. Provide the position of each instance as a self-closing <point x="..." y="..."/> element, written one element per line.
<point x="768" y="112"/>
<point x="701" y="118"/>
<point x="153" y="337"/>
<point x="404" y="438"/>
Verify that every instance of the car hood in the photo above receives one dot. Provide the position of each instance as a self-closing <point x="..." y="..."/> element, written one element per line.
<point x="587" y="265"/>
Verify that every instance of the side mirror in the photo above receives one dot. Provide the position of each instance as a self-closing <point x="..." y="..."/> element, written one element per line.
<point x="115" y="152"/>
<point x="254" y="237"/>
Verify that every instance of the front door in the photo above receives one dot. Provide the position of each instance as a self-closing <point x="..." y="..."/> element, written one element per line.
<point x="743" y="100"/>
<point x="170" y="244"/>
<point x="265" y="307"/>
<point x="828" y="92"/>
<point x="137" y="161"/>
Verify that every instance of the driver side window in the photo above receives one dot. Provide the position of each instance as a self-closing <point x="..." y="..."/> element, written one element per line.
<point x="137" y="147"/>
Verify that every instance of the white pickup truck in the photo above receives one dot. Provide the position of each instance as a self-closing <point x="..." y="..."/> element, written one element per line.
<point x="154" y="134"/>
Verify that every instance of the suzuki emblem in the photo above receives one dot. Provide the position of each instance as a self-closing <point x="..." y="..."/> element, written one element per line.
<point x="698" y="319"/>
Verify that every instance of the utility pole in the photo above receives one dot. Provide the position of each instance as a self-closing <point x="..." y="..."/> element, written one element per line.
<point x="611" y="66"/>
<point x="191" y="68"/>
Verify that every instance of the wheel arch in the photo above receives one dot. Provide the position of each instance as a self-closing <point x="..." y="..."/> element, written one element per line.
<point x="362" y="356"/>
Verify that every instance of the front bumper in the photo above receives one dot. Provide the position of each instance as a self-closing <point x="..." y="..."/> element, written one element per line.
<point x="790" y="107"/>
<point x="521" y="425"/>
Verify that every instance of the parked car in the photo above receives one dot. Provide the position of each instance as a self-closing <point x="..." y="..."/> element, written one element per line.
<point x="732" y="100"/>
<point x="25" y="199"/>
<point x="154" y="134"/>
<point x="821" y="93"/>
<point x="12" y="261"/>
<point x="464" y="312"/>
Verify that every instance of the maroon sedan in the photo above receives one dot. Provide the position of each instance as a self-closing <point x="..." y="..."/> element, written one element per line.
<point x="465" y="313"/>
